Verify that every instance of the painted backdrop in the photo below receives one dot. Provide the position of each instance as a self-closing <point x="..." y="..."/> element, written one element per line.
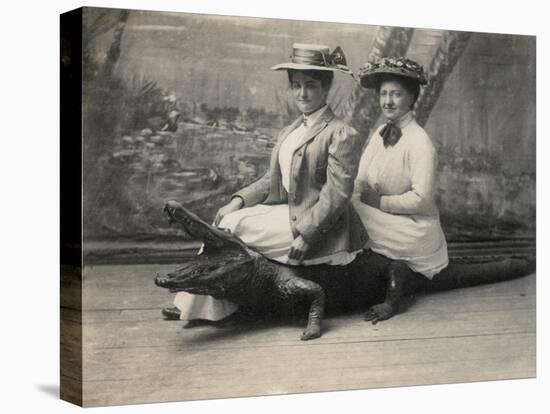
<point x="184" y="106"/>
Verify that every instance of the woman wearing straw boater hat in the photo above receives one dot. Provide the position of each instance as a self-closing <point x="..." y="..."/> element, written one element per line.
<point x="299" y="211"/>
<point x="394" y="190"/>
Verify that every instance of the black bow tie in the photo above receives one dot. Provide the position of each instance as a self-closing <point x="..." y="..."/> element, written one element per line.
<point x="391" y="134"/>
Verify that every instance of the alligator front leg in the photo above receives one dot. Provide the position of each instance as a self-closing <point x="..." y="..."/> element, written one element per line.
<point x="292" y="287"/>
<point x="396" y="275"/>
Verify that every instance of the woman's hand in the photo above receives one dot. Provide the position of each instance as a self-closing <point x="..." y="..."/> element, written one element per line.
<point x="235" y="204"/>
<point x="370" y="197"/>
<point x="298" y="250"/>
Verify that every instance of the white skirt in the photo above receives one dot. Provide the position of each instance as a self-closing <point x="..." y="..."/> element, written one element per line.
<point x="266" y="229"/>
<point x="417" y="240"/>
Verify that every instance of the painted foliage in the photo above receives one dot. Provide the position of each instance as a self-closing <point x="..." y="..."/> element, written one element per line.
<point x="181" y="106"/>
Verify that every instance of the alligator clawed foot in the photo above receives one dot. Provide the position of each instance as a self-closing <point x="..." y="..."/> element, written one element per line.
<point x="379" y="312"/>
<point x="311" y="332"/>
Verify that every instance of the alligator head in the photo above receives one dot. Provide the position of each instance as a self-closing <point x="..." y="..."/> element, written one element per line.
<point x="222" y="266"/>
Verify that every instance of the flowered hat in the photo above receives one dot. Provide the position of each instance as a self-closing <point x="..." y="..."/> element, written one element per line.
<point x="315" y="57"/>
<point x="399" y="66"/>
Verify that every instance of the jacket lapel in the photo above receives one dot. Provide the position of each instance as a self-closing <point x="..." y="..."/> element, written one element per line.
<point x="275" y="154"/>
<point x="277" y="192"/>
<point x="321" y="123"/>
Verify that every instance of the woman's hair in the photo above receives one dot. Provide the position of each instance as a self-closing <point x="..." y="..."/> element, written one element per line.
<point x="410" y="85"/>
<point x="324" y="76"/>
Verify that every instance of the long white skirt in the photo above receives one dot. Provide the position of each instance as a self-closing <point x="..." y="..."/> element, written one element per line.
<point x="267" y="230"/>
<point x="417" y="240"/>
<point x="264" y="228"/>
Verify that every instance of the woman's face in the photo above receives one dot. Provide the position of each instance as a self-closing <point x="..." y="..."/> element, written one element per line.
<point x="395" y="100"/>
<point x="308" y="93"/>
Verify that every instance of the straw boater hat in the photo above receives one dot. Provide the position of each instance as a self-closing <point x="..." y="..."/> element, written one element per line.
<point x="315" y="57"/>
<point x="370" y="72"/>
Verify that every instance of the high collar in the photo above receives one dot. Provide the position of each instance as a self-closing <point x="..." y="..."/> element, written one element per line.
<point x="325" y="117"/>
<point x="312" y="118"/>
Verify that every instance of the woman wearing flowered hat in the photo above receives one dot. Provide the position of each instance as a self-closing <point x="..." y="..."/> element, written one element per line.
<point x="299" y="212"/>
<point x="395" y="183"/>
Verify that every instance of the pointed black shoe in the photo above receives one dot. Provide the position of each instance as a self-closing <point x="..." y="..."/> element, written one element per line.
<point x="171" y="314"/>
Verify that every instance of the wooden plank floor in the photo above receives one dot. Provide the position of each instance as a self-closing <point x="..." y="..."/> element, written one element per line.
<point x="131" y="355"/>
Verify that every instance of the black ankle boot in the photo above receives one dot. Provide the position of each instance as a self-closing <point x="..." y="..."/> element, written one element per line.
<point x="172" y="314"/>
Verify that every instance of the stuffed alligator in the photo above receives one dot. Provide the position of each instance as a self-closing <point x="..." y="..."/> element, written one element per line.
<point x="229" y="269"/>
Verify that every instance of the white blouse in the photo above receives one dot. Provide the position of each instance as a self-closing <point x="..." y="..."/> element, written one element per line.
<point x="407" y="226"/>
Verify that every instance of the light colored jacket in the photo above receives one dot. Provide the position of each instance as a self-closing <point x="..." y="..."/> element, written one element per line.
<point x="323" y="169"/>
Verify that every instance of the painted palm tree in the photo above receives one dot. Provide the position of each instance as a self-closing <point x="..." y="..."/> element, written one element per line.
<point x="99" y="25"/>
<point x="445" y="58"/>
<point x="114" y="51"/>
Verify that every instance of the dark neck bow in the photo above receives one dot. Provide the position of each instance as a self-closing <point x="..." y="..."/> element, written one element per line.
<point x="391" y="134"/>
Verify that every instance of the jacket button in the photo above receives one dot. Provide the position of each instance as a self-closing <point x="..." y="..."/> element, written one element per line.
<point x="293" y="218"/>
<point x="300" y="154"/>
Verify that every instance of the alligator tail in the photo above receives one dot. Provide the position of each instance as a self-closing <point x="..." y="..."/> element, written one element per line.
<point x="473" y="271"/>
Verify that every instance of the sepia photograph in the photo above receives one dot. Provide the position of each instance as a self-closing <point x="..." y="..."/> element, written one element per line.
<point x="274" y="206"/>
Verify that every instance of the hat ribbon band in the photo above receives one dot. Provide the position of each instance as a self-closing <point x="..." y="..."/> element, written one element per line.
<point x="308" y="57"/>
